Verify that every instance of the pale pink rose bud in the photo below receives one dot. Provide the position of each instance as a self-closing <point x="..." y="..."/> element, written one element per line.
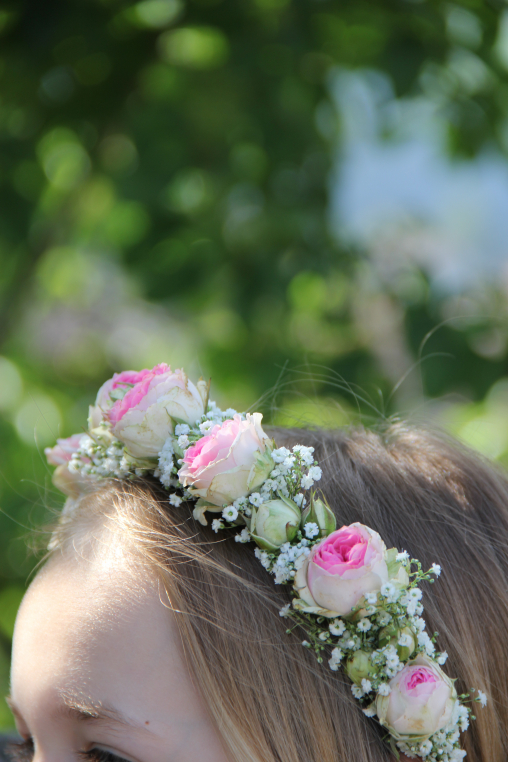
<point x="274" y="523"/>
<point x="62" y="452"/>
<point x="340" y="570"/>
<point x="230" y="462"/>
<point x="147" y="405"/>
<point x="71" y="483"/>
<point x="421" y="701"/>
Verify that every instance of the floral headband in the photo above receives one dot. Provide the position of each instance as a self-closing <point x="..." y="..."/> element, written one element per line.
<point x="359" y="603"/>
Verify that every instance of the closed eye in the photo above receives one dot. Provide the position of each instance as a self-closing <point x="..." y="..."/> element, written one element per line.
<point x="24" y="752"/>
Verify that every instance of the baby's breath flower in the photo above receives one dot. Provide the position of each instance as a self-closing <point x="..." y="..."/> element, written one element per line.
<point x="181" y="429"/>
<point x="256" y="499"/>
<point x="315" y="473"/>
<point x="262" y="557"/>
<point x="482" y="698"/>
<point x="279" y="455"/>
<point x="337" y="627"/>
<point x="311" y="530"/>
<point x="384" y="689"/>
<point x="442" y="657"/>
<point x="402" y="557"/>
<point x="230" y="513"/>
<point x="305" y="453"/>
<point x="217" y="525"/>
<point x="435" y="569"/>
<point x="243" y="536"/>
<point x="366" y="685"/>
<point x="364" y="625"/>
<point x="390" y="592"/>
<point x="284" y="612"/>
<point x="175" y="500"/>
<point x="384" y="618"/>
<point x="183" y="441"/>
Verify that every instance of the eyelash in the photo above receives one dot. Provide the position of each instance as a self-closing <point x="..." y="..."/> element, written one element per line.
<point x="23" y="752"/>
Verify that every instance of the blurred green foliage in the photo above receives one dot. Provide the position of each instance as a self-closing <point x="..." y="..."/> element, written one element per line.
<point x="164" y="176"/>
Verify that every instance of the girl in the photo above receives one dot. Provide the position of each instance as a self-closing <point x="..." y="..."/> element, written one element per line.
<point x="149" y="637"/>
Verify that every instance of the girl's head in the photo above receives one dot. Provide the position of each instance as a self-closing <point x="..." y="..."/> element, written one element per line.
<point x="148" y="637"/>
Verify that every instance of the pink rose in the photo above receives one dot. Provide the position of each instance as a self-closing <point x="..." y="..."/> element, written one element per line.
<point x="144" y="407"/>
<point x="64" y="449"/>
<point x="114" y="387"/>
<point x="71" y="483"/>
<point x="340" y="570"/>
<point x="228" y="463"/>
<point x="421" y="701"/>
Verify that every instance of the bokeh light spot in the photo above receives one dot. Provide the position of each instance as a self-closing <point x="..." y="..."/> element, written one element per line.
<point x="189" y="191"/>
<point x="118" y="154"/>
<point x="11" y="385"/>
<point x="195" y="47"/>
<point x="63" y="158"/>
<point x="38" y="420"/>
<point x="157" y="13"/>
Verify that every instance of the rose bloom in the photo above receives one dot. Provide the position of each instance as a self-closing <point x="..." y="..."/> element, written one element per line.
<point x="339" y="571"/>
<point x="62" y="452"/>
<point x="69" y="482"/>
<point x="105" y="399"/>
<point x="226" y="464"/>
<point x="144" y="417"/>
<point x="421" y="701"/>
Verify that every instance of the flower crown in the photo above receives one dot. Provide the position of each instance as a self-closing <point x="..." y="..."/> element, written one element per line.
<point x="359" y="603"/>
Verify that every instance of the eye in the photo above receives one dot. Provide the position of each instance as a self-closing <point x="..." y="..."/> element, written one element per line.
<point x="98" y="755"/>
<point x="24" y="752"/>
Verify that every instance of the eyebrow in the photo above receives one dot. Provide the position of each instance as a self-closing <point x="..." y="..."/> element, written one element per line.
<point x="86" y="709"/>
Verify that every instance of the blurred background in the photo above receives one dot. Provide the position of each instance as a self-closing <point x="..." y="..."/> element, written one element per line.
<point x="305" y="199"/>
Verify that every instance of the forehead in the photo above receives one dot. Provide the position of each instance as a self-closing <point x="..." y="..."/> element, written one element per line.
<point x="96" y="627"/>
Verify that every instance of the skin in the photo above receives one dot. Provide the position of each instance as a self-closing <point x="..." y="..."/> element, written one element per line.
<point x="97" y="663"/>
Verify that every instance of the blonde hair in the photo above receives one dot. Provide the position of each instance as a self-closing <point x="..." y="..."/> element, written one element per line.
<point x="270" y="699"/>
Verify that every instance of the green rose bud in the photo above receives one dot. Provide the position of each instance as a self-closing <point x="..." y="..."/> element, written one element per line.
<point x="397" y="572"/>
<point x="359" y="666"/>
<point x="403" y="640"/>
<point x="320" y="513"/>
<point x="274" y="523"/>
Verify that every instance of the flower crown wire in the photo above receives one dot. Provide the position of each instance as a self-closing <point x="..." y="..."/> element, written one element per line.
<point x="358" y="603"/>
